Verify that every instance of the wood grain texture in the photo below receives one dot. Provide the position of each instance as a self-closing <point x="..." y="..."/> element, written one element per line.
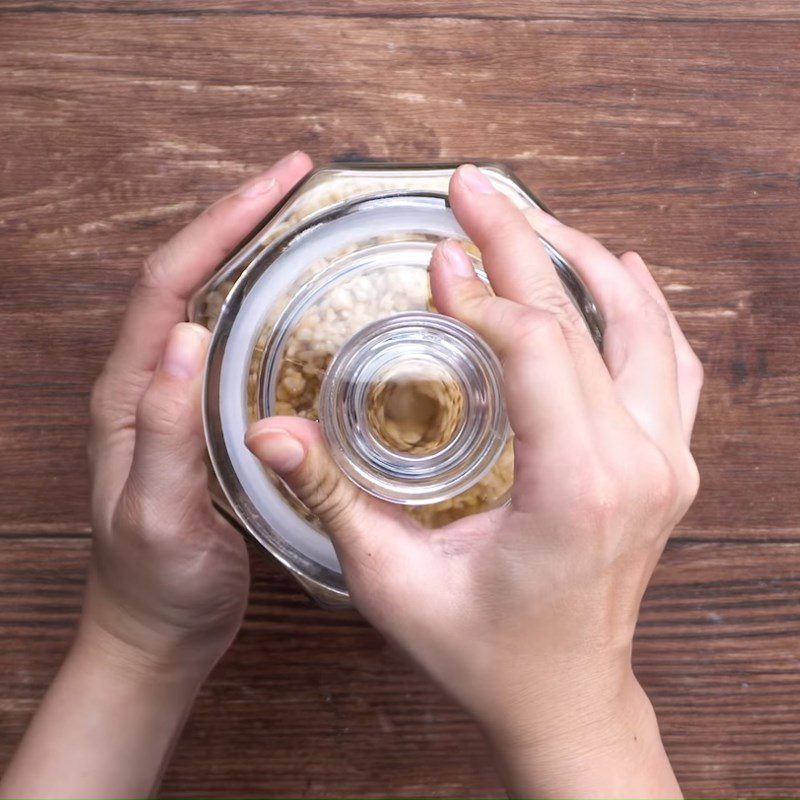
<point x="120" y="130"/>
<point x="672" y="128"/>
<point x="708" y="10"/>
<point x="309" y="702"/>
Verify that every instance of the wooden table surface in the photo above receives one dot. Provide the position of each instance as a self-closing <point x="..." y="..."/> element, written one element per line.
<point x="670" y="127"/>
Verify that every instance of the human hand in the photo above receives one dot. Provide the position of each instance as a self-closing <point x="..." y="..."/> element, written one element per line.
<point x="169" y="576"/>
<point x="526" y="614"/>
<point x="168" y="579"/>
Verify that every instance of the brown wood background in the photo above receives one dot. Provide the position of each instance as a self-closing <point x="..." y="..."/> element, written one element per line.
<point x="672" y="127"/>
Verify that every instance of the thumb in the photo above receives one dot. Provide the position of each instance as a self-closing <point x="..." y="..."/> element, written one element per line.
<point x="361" y="526"/>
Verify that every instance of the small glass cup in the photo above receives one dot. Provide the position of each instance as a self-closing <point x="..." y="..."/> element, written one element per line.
<point x="325" y="313"/>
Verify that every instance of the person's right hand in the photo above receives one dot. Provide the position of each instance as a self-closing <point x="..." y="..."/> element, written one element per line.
<point x="526" y="614"/>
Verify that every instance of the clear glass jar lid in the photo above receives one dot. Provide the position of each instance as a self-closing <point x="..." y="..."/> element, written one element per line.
<point x="412" y="408"/>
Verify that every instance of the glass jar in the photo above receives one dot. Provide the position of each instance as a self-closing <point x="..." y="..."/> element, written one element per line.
<point x="325" y="313"/>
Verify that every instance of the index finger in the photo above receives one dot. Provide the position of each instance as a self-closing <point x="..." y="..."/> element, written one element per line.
<point x="520" y="269"/>
<point x="516" y="262"/>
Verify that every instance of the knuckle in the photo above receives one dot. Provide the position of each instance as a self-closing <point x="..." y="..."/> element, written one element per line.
<point x="548" y="293"/>
<point x="160" y="412"/>
<point x="472" y="299"/>
<point x="112" y="398"/>
<point x="142" y="520"/>
<point x="659" y="481"/>
<point x="690" y="482"/>
<point x="691" y="368"/>
<point x="664" y="490"/>
<point x="533" y="326"/>
<point x="324" y="493"/>
<point x="109" y="405"/>
<point x="597" y="491"/>
<point x="572" y="323"/>
<point x="654" y="314"/>
<point x="151" y="274"/>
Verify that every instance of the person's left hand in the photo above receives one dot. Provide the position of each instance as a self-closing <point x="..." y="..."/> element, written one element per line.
<point x="169" y="576"/>
<point x="168" y="580"/>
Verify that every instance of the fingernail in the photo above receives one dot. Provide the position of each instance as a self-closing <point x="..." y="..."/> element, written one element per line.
<point x="264" y="183"/>
<point x="457" y="260"/>
<point x="184" y="354"/>
<point x="259" y="187"/>
<point x="475" y="180"/>
<point x="282" y="162"/>
<point x="277" y="448"/>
